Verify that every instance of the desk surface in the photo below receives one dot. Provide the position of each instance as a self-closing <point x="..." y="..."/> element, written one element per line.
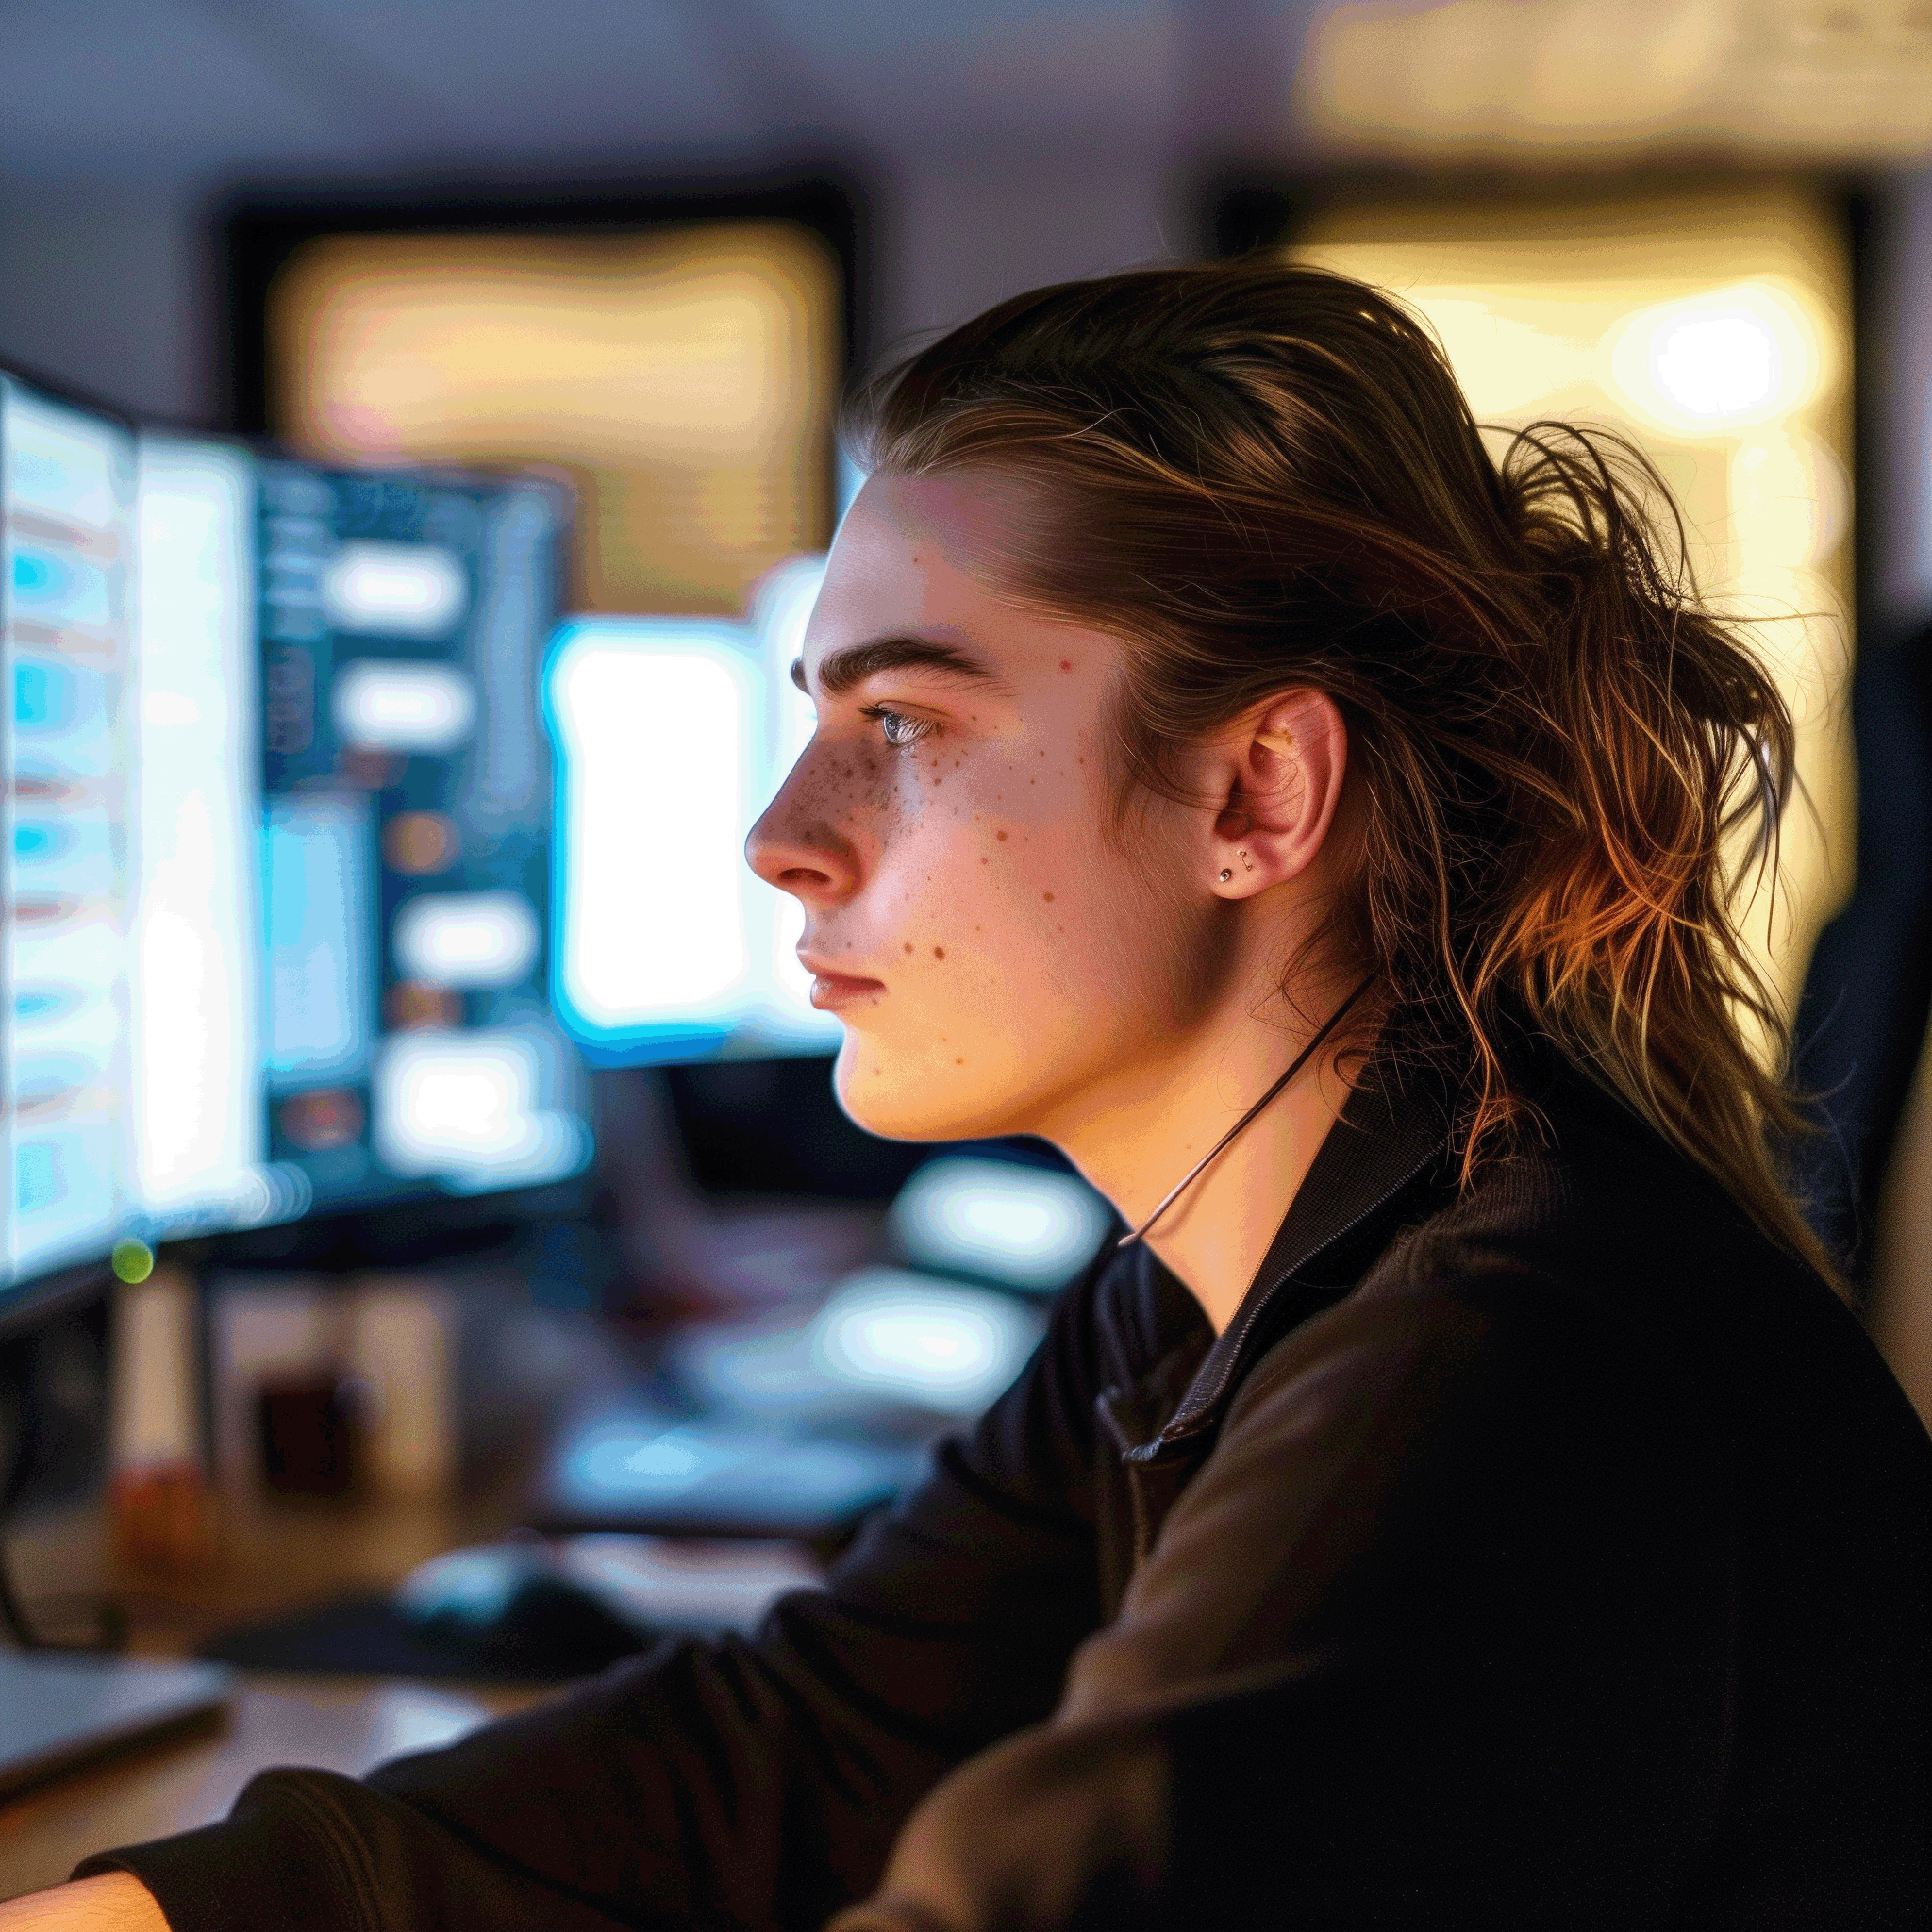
<point x="332" y="1723"/>
<point x="274" y="1558"/>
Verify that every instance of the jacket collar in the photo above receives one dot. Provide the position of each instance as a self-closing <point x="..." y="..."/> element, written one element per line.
<point x="1394" y="1130"/>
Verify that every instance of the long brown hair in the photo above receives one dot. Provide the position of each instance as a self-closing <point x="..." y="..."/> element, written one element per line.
<point x="1261" y="475"/>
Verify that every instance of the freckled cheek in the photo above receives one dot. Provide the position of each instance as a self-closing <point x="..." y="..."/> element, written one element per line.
<point x="965" y="886"/>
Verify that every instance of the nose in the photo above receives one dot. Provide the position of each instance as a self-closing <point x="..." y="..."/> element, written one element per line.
<point x="801" y="852"/>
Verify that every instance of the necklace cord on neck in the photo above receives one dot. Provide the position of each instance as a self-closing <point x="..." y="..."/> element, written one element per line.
<point x="1194" y="1172"/>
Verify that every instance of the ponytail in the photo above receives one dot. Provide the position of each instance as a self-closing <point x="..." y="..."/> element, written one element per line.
<point x="1668" y="759"/>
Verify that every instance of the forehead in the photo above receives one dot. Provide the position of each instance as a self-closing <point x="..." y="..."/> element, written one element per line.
<point x="918" y="551"/>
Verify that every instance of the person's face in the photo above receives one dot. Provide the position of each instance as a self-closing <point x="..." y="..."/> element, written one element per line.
<point x="995" y="956"/>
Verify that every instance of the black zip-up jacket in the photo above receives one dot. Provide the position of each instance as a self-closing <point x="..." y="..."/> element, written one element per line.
<point x="1554" y="1554"/>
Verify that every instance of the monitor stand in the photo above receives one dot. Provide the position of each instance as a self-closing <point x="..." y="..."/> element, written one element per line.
<point x="58" y="1711"/>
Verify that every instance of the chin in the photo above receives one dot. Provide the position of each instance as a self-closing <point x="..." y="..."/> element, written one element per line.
<point x="904" y="1097"/>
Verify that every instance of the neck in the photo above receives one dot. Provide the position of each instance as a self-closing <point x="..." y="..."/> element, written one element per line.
<point x="1138" y="1139"/>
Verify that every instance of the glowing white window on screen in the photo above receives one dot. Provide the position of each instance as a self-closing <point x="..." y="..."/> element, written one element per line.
<point x="467" y="939"/>
<point x="467" y="1106"/>
<point x="653" y="734"/>
<point x="198" y="1132"/>
<point x="395" y="590"/>
<point x="444" y="1099"/>
<point x="385" y="706"/>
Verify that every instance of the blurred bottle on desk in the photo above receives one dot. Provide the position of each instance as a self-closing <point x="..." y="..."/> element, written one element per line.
<point x="162" y="1502"/>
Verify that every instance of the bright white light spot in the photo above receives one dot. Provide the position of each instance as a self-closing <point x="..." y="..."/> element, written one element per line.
<point x="1717" y="362"/>
<point x="467" y="939"/>
<point x="618" y="1457"/>
<point x="402" y="707"/>
<point x="1030" y="1227"/>
<point x="1716" y="366"/>
<point x="403" y="1718"/>
<point x="923" y="1341"/>
<point x="653" y="721"/>
<point x="395" y="590"/>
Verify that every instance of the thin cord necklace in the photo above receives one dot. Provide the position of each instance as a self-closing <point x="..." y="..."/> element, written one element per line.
<point x="1194" y="1174"/>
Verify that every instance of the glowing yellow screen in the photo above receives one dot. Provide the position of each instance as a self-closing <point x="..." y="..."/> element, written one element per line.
<point x="1713" y="328"/>
<point x="685" y="379"/>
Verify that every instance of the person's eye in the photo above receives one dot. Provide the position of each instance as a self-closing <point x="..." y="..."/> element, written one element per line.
<point x="899" y="730"/>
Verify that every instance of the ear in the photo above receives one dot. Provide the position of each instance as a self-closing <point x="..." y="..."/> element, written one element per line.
<point x="1282" y="774"/>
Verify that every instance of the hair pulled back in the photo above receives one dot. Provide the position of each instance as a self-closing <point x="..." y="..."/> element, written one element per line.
<point x="1262" y="476"/>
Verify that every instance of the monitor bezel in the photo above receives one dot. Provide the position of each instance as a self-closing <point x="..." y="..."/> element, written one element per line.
<point x="37" y="1299"/>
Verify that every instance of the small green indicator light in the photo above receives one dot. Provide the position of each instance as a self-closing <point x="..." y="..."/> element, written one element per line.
<point x="133" y="1261"/>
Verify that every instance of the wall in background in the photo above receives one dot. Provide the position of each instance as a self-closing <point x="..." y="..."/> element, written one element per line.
<point x="959" y="231"/>
<point x="110" y="285"/>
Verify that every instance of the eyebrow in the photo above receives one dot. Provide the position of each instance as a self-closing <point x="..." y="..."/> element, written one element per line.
<point x="842" y="671"/>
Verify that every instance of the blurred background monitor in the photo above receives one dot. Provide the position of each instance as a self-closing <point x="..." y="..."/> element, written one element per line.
<point x="672" y="735"/>
<point x="406" y="1040"/>
<point x="680" y="361"/>
<point x="1712" y="324"/>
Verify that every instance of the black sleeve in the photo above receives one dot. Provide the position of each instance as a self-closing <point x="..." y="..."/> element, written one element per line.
<point x="1437" y="1636"/>
<point x="727" y="1784"/>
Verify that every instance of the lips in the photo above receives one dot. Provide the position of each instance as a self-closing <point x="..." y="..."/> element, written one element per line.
<point x="831" y="989"/>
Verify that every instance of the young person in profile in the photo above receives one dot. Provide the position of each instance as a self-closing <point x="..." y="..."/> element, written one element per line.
<point x="1462" y="1501"/>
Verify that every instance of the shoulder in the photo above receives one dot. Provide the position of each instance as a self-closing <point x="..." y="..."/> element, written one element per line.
<point x="1596" y="1295"/>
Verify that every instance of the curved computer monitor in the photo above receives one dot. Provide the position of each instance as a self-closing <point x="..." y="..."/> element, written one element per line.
<point x="276" y="937"/>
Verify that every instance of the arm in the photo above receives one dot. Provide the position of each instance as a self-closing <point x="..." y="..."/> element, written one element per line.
<point x="1438" y="1636"/>
<point x="115" y="1901"/>
<point x="726" y="1783"/>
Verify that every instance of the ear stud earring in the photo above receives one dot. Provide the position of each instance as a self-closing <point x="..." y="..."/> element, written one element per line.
<point x="1226" y="874"/>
